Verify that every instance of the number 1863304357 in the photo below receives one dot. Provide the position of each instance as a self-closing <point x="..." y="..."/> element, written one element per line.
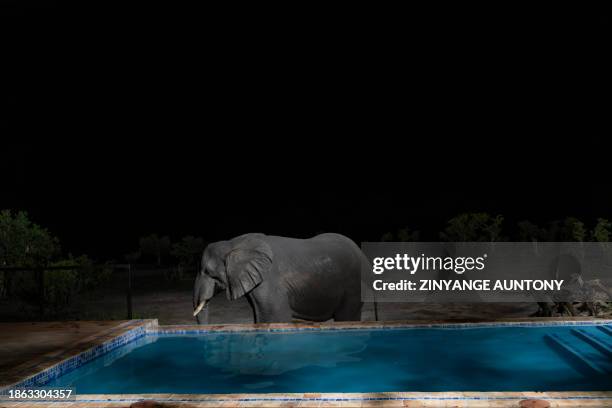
<point x="38" y="394"/>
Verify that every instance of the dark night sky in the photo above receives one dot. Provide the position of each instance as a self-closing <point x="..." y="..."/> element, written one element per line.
<point x="100" y="197"/>
<point x="351" y="138"/>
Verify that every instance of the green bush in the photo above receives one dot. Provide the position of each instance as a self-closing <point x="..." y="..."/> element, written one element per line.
<point x="22" y="244"/>
<point x="61" y="286"/>
<point x="92" y="276"/>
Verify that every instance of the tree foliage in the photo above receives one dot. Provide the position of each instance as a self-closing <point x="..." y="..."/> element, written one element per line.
<point x="473" y="227"/>
<point x="133" y="257"/>
<point x="401" y="235"/>
<point x="188" y="251"/>
<point x="602" y="231"/>
<point x="27" y="245"/>
<point x="572" y="229"/>
<point x="23" y="243"/>
<point x="530" y="232"/>
<point x="155" y="247"/>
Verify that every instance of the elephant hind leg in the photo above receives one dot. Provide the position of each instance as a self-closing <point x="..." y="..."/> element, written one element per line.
<point x="349" y="309"/>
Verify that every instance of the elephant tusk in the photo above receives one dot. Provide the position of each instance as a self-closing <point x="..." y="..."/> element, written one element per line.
<point x="199" y="308"/>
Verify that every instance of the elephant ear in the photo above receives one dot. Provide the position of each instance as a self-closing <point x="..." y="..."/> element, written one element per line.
<point x="246" y="265"/>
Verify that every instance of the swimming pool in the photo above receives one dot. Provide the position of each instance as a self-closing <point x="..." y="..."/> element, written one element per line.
<point x="513" y="358"/>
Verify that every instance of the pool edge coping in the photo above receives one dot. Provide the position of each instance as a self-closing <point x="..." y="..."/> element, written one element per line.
<point x="370" y="325"/>
<point x="279" y="399"/>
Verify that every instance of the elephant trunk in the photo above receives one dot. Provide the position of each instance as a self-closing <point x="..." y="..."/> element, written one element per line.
<point x="203" y="291"/>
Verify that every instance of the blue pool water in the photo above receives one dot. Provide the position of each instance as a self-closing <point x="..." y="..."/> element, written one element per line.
<point x="414" y="359"/>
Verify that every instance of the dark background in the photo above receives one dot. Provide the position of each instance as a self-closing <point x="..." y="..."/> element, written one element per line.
<point x="123" y="122"/>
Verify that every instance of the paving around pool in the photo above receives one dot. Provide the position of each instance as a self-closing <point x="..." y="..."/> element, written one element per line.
<point x="564" y="362"/>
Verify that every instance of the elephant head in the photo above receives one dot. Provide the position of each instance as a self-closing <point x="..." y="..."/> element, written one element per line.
<point x="236" y="266"/>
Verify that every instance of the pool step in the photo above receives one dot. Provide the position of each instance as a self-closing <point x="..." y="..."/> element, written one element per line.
<point x="567" y="350"/>
<point x="605" y="329"/>
<point x="598" y="344"/>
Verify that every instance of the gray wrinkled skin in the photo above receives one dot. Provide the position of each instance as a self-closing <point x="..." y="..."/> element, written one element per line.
<point x="314" y="279"/>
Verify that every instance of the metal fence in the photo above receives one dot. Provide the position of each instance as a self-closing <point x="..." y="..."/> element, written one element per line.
<point x="95" y="292"/>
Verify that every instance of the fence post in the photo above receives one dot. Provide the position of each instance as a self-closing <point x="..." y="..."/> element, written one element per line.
<point x="129" y="292"/>
<point x="41" y="293"/>
<point x="375" y="310"/>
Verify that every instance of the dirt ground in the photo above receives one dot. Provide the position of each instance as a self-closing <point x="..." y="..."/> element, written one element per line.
<point x="176" y="308"/>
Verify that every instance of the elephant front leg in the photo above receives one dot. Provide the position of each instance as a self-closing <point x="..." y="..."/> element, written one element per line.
<point x="268" y="310"/>
<point x="202" y="317"/>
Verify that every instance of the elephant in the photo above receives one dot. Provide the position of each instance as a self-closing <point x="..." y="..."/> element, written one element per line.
<point x="283" y="278"/>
